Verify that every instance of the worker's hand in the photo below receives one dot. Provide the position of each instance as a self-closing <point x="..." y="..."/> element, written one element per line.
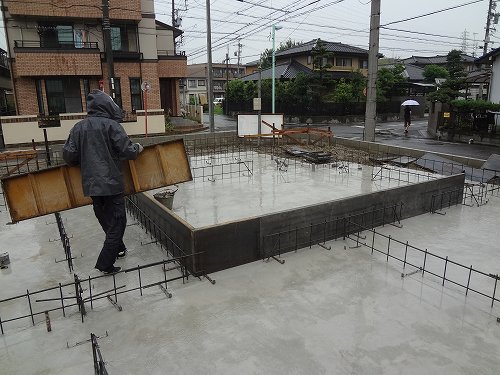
<point x="139" y="146"/>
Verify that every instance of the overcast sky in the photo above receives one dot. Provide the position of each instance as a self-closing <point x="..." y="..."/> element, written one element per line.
<point x="345" y="21"/>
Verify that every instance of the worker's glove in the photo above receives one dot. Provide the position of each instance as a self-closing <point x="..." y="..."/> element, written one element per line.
<point x="139" y="147"/>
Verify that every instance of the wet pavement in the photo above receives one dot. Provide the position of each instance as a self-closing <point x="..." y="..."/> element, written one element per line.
<point x="391" y="133"/>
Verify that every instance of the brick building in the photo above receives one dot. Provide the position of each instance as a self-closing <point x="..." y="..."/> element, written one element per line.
<point x="57" y="55"/>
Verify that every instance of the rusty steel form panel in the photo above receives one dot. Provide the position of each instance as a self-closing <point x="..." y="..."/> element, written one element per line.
<point x="60" y="188"/>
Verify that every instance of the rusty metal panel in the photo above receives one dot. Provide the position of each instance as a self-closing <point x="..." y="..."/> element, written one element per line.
<point x="60" y="188"/>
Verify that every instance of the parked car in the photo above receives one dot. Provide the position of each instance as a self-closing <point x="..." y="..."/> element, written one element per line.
<point x="218" y="101"/>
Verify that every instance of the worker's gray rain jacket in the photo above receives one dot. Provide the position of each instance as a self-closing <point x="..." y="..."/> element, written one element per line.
<point x="98" y="144"/>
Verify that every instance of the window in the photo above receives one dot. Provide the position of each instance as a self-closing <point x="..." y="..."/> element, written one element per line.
<point x="124" y="38"/>
<point x="363" y="64"/>
<point x="192" y="83"/>
<point x="136" y="93"/>
<point x="63" y="95"/>
<point x="201" y="82"/>
<point x="55" y="36"/>
<point x="344" y="61"/>
<point x="309" y="60"/>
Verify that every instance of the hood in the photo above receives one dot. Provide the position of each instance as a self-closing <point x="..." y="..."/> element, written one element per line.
<point x="100" y="104"/>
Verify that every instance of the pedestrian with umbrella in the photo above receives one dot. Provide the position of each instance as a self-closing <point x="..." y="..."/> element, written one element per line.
<point x="407" y="115"/>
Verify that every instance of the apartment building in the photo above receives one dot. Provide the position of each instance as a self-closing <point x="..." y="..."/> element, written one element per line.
<point x="57" y="55"/>
<point x="196" y="80"/>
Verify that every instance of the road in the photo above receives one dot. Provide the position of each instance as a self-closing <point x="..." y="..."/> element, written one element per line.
<point x="387" y="133"/>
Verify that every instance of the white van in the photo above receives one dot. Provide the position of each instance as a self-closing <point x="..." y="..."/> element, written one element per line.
<point x="218" y="101"/>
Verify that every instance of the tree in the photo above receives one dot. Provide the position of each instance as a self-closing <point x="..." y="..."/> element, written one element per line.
<point x="431" y="72"/>
<point x="450" y="89"/>
<point x="343" y="92"/>
<point x="321" y="59"/>
<point x="358" y="82"/>
<point x="390" y="82"/>
<point x="266" y="57"/>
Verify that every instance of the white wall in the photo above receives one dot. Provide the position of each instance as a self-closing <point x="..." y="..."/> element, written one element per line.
<point x="24" y="132"/>
<point x="495" y="81"/>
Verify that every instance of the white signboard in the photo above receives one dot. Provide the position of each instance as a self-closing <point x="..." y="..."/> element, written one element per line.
<point x="248" y="124"/>
<point x="257" y="106"/>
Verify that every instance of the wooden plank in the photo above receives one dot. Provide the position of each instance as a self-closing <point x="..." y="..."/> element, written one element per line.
<point x="60" y="188"/>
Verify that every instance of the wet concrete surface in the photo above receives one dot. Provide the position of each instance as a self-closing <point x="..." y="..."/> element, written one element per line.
<point x="338" y="311"/>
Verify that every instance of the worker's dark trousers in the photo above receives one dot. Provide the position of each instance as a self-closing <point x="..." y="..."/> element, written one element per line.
<point x="110" y="211"/>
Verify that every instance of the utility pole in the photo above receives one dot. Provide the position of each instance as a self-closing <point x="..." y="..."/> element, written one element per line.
<point x="371" y="94"/>
<point x="173" y="13"/>
<point x="108" y="48"/>
<point x="259" y="93"/>
<point x="488" y="26"/>
<point x="239" y="56"/>
<point x="227" y="81"/>
<point x="210" y="72"/>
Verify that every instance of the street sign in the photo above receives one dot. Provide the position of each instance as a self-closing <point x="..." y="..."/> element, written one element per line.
<point x="145" y="86"/>
<point x="48" y="121"/>
<point x="257" y="104"/>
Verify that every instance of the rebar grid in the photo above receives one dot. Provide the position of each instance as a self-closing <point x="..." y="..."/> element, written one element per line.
<point x="65" y="241"/>
<point x="228" y="170"/>
<point x="99" y="363"/>
<point x="275" y="244"/>
<point x="425" y="257"/>
<point x="401" y="175"/>
<point x="76" y="291"/>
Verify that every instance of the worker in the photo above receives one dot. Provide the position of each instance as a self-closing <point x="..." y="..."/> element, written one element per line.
<point x="98" y="144"/>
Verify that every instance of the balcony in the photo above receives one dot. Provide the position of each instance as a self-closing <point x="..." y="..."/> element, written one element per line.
<point x="172" y="64"/>
<point x="58" y="46"/>
<point x="42" y="58"/>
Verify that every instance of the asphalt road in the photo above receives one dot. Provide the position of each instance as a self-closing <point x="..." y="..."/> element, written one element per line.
<point x="388" y="133"/>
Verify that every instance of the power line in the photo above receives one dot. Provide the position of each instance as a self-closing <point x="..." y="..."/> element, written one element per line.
<point x="431" y="13"/>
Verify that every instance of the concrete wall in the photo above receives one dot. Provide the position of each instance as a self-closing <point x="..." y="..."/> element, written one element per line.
<point x="22" y="129"/>
<point x="234" y="243"/>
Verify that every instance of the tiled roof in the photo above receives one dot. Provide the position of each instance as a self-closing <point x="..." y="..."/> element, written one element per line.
<point x="286" y="70"/>
<point x="335" y="47"/>
<point x="437" y="60"/>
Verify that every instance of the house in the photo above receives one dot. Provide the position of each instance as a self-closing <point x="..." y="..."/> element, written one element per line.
<point x="342" y="58"/>
<point x="57" y="55"/>
<point x="441" y="60"/>
<point x="196" y="81"/>
<point x="492" y="61"/>
<point x="475" y="77"/>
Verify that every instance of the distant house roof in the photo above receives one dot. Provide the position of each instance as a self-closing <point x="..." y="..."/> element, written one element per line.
<point x="253" y="63"/>
<point x="485" y="58"/>
<point x="162" y="25"/>
<point x="335" y="47"/>
<point x="286" y="70"/>
<point x="437" y="60"/>
<point x="412" y="72"/>
<point x="479" y="76"/>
